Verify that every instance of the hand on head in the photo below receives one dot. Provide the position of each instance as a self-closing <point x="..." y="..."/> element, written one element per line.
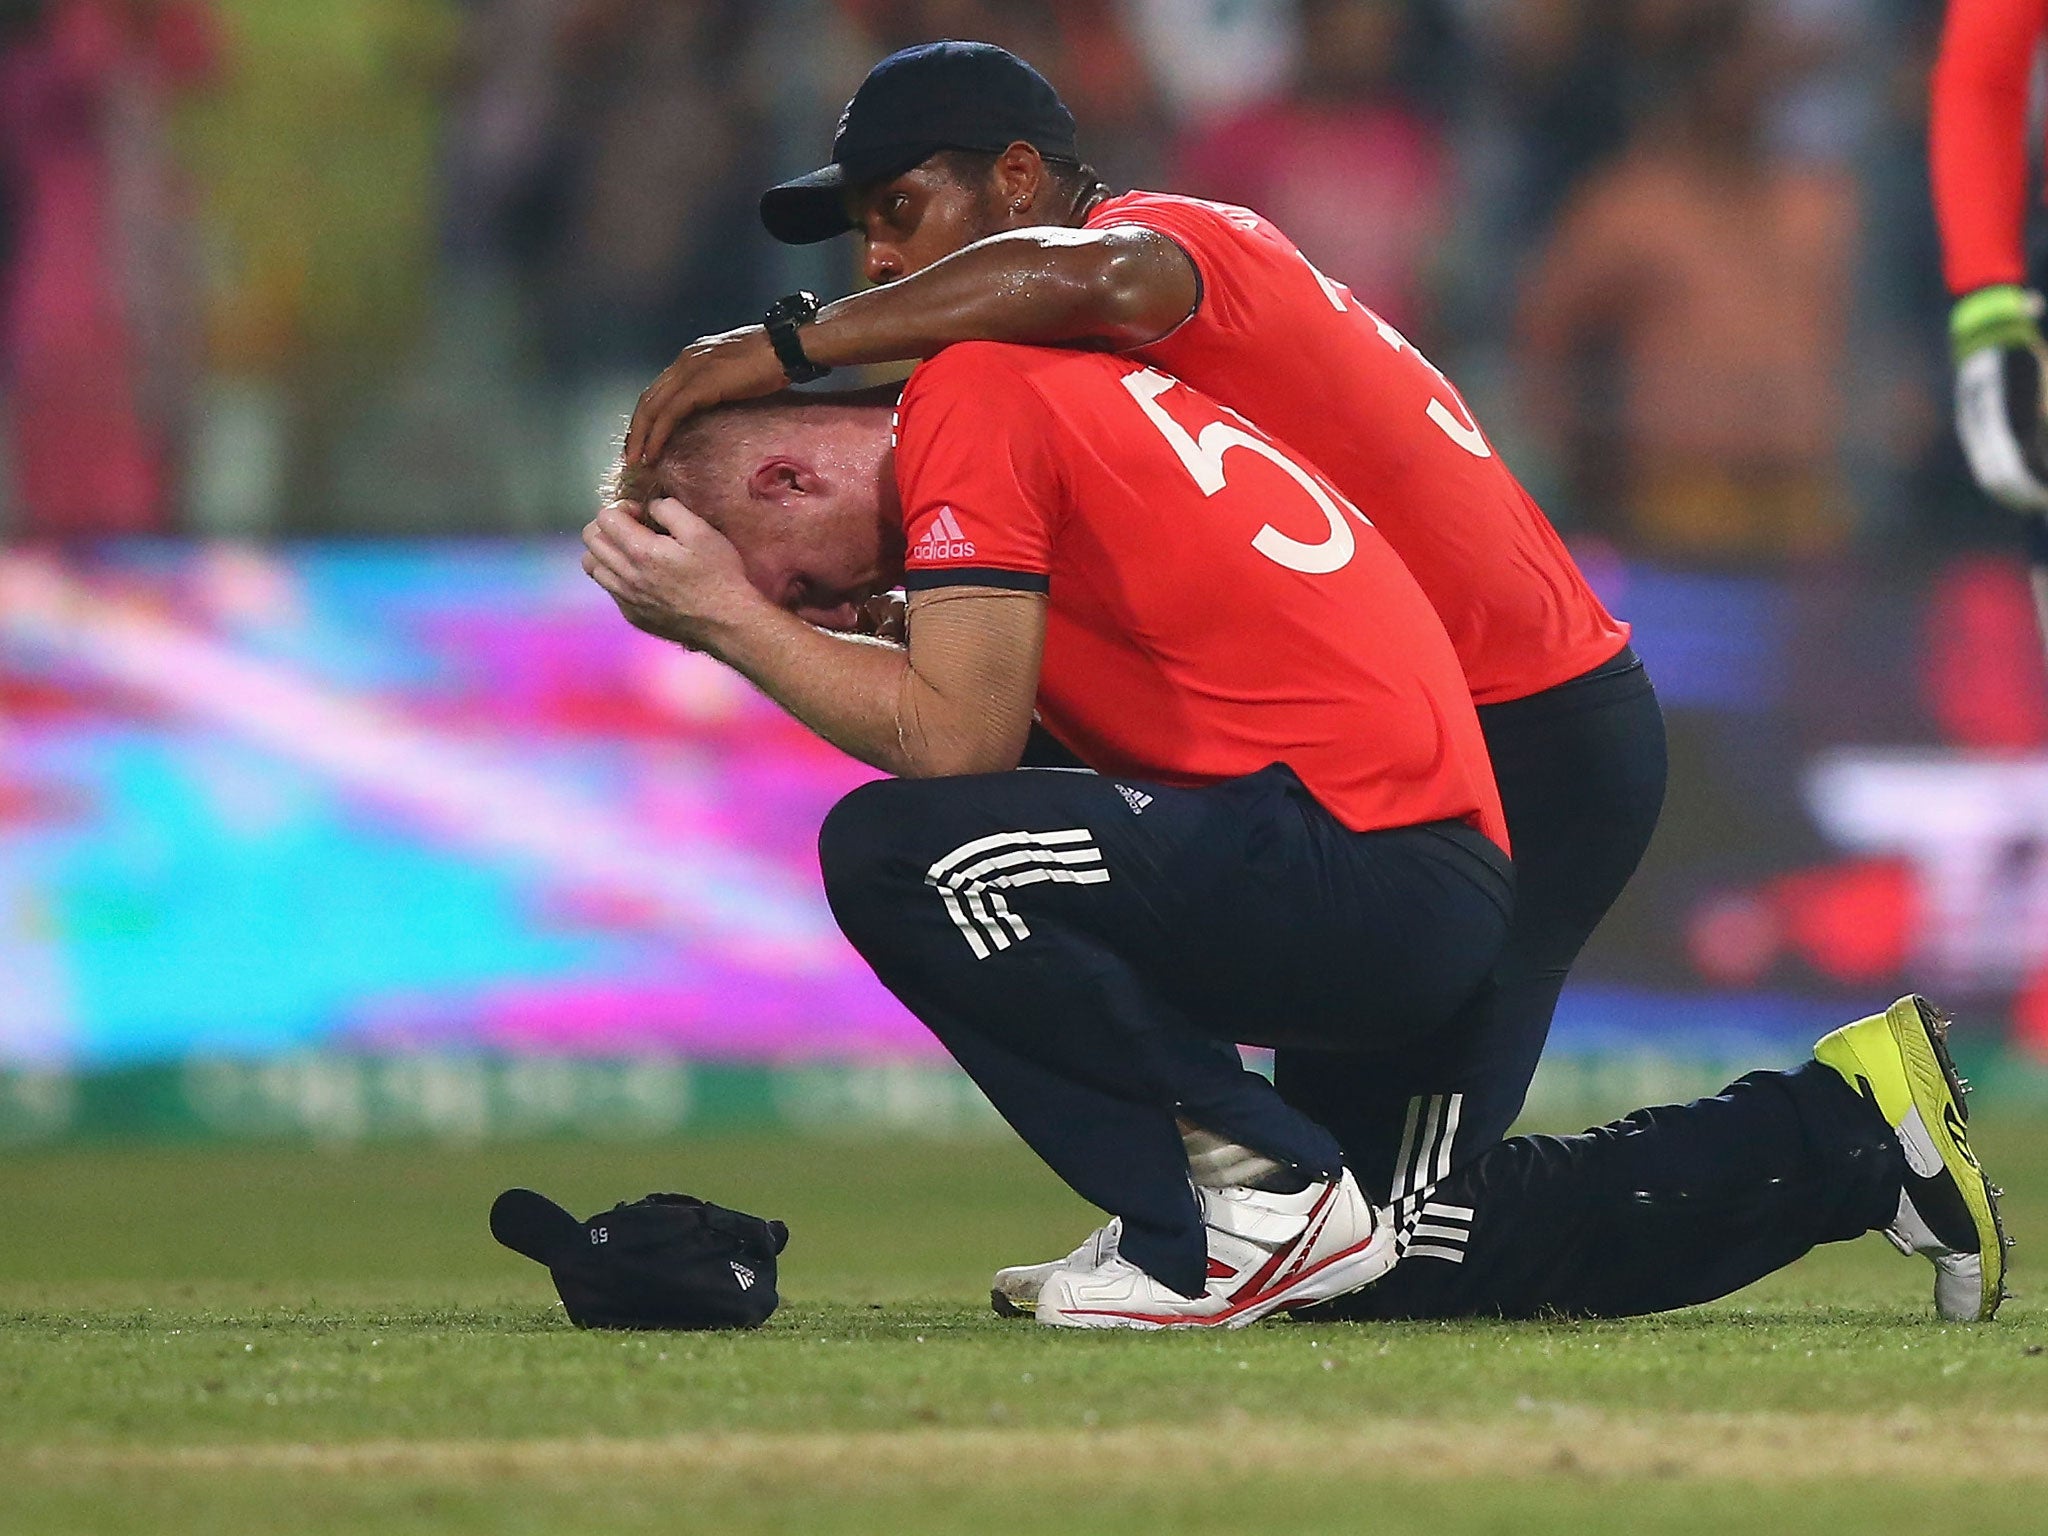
<point x="671" y="573"/>
<point x="735" y="365"/>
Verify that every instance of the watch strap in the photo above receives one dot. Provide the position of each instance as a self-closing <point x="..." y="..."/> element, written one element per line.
<point x="784" y="316"/>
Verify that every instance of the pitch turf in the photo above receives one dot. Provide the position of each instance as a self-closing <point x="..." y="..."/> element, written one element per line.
<point x="270" y="1340"/>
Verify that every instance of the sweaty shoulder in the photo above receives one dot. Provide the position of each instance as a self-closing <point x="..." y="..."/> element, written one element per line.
<point x="1238" y="255"/>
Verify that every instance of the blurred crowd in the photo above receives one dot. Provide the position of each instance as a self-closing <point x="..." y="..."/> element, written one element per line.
<point x="387" y="266"/>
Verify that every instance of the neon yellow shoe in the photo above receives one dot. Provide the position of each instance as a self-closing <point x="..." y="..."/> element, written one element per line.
<point x="1899" y="1061"/>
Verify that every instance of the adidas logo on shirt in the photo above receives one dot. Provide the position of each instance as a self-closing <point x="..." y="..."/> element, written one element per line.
<point x="1136" y="799"/>
<point x="741" y="1273"/>
<point x="944" y="540"/>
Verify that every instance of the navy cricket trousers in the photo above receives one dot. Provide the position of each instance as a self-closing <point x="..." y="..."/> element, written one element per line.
<point x="1581" y="771"/>
<point x="1084" y="945"/>
<point x="1663" y="1208"/>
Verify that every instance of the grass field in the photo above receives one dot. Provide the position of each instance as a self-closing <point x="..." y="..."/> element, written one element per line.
<point x="283" y="1339"/>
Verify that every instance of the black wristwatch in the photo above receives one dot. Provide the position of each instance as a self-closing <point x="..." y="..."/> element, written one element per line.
<point x="782" y="319"/>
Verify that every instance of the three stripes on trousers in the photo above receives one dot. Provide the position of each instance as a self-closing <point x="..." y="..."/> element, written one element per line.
<point x="1426" y="1228"/>
<point x="971" y="881"/>
<point x="972" y="878"/>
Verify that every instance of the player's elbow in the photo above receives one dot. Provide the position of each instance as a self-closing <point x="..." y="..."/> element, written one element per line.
<point x="958" y="758"/>
<point x="949" y="743"/>
<point x="1139" y="286"/>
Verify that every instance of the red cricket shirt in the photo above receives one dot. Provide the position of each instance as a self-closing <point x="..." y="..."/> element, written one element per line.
<point x="1213" y="605"/>
<point x="1977" y="138"/>
<point x="1277" y="341"/>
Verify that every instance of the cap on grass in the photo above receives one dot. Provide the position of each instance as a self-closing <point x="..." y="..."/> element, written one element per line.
<point x="663" y="1261"/>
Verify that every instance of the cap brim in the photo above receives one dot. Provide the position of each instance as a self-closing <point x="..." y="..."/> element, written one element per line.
<point x="533" y="1225"/>
<point x="813" y="207"/>
<point x="809" y="208"/>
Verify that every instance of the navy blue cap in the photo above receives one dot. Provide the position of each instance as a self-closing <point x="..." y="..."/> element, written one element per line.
<point x="916" y="102"/>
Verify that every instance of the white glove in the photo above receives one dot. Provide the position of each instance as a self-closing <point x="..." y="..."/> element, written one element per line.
<point x="1996" y="336"/>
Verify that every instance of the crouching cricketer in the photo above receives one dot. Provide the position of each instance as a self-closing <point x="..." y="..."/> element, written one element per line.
<point x="1294" y="835"/>
<point x="1290" y="837"/>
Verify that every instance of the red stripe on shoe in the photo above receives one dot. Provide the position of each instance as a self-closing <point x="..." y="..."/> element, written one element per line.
<point x="1237" y="1306"/>
<point x="1319" y="1219"/>
<point x="1267" y="1270"/>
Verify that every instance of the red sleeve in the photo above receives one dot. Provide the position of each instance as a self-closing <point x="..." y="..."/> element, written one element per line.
<point x="977" y="472"/>
<point x="1214" y="241"/>
<point x="1977" y="138"/>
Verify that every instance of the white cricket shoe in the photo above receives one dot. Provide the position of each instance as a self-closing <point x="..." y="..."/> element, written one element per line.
<point x="1267" y="1253"/>
<point x="1014" y="1292"/>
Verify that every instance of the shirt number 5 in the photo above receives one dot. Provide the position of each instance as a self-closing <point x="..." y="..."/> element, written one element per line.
<point x="1203" y="456"/>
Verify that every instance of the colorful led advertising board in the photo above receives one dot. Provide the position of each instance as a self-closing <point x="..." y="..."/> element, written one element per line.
<point x="393" y="797"/>
<point x="399" y="796"/>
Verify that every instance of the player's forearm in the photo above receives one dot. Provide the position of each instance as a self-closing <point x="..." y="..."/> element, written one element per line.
<point x="1119" y="287"/>
<point x="862" y="695"/>
<point x="845" y="689"/>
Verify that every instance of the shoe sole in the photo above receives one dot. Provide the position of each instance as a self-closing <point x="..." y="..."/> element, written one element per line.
<point x="1005" y="1305"/>
<point x="1939" y="1094"/>
<point x="1356" y="1267"/>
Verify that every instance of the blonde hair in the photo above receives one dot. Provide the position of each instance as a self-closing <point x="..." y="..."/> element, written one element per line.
<point x="693" y="450"/>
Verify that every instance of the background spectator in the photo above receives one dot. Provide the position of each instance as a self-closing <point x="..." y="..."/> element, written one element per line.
<point x="1215" y="57"/>
<point x="315" y="160"/>
<point x="1677" y="252"/>
<point x="1709" y="273"/>
<point x="97" y="329"/>
<point x="1344" y="159"/>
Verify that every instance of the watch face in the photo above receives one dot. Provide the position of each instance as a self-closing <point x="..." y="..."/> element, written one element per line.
<point x="782" y="320"/>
